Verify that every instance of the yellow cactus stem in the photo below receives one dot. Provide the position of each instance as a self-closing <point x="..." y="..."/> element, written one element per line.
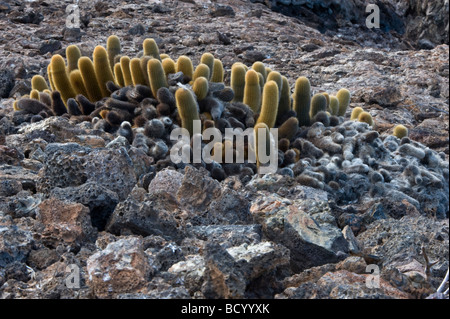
<point x="76" y="80"/>
<point x="118" y="75"/>
<point x="276" y="76"/>
<point x="169" y="66"/>
<point x="156" y="75"/>
<point x="16" y="106"/>
<point x="102" y="69"/>
<point x="60" y="78"/>
<point x="202" y="70"/>
<point x="50" y="77"/>
<point x="238" y="81"/>
<point x="318" y="104"/>
<point x="288" y="129"/>
<point x="208" y="59"/>
<point x="200" y="87"/>
<point x="344" y="101"/>
<point x="34" y="94"/>
<point x="333" y="107"/>
<point x="151" y="49"/>
<point x="366" y="117"/>
<point x="327" y="96"/>
<point x="90" y="82"/>
<point x="217" y="73"/>
<point x="356" y="112"/>
<point x="163" y="56"/>
<point x="38" y="83"/>
<point x="113" y="47"/>
<point x="400" y="131"/>
<point x="302" y="100"/>
<point x="136" y="72"/>
<point x="259" y="67"/>
<point x="184" y="64"/>
<point x="73" y="54"/>
<point x="269" y="106"/>
<point x="187" y="109"/>
<point x="143" y="63"/>
<point x="252" y="91"/>
<point x="285" y="99"/>
<point x="126" y="72"/>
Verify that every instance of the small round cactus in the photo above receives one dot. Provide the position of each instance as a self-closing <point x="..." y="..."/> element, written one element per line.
<point x="400" y="131"/>
<point x="365" y="117"/>
<point x="356" y="112"/>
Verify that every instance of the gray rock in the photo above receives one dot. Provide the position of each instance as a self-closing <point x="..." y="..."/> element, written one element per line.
<point x="400" y="241"/>
<point x="191" y="271"/>
<point x="286" y="223"/>
<point x="222" y="278"/>
<point x="50" y="46"/>
<point x="256" y="260"/>
<point x="228" y="235"/>
<point x="220" y="10"/>
<point x="112" y="169"/>
<point x="15" y="243"/>
<point x="6" y="82"/>
<point x="146" y="214"/>
<point x="100" y="200"/>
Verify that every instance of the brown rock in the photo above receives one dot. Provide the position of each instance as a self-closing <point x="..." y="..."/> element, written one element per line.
<point x="65" y="222"/>
<point x="122" y="267"/>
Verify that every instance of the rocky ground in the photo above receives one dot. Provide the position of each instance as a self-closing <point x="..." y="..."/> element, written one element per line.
<point x="78" y="202"/>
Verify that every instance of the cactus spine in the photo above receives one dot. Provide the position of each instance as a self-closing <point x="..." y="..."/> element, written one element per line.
<point x="302" y="100"/>
<point x="269" y="107"/>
